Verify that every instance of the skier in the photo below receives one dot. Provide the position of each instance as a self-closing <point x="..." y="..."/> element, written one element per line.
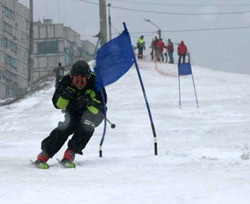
<point x="59" y="71"/>
<point x="77" y="96"/>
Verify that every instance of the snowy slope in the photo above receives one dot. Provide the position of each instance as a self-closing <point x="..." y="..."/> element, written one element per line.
<point x="203" y="153"/>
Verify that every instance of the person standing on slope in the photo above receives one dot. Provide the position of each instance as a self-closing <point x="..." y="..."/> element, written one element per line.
<point x="160" y="48"/>
<point x="76" y="94"/>
<point x="170" y="50"/>
<point x="182" y="52"/>
<point x="141" y="47"/>
<point x="59" y="71"/>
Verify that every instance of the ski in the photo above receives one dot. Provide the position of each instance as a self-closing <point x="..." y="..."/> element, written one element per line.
<point x="66" y="164"/>
<point x="42" y="165"/>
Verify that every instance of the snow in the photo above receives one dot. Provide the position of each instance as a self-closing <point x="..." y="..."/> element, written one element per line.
<point x="203" y="152"/>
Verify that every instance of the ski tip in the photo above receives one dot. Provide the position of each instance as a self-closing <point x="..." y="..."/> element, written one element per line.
<point x="69" y="165"/>
<point x="42" y="165"/>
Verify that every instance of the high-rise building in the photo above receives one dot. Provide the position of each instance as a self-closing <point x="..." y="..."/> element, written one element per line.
<point x="52" y="43"/>
<point x="14" y="31"/>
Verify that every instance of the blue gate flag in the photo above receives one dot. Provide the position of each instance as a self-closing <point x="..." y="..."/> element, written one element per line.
<point x="114" y="59"/>
<point x="184" y="68"/>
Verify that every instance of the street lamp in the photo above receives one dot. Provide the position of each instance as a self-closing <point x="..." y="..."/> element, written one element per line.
<point x="159" y="30"/>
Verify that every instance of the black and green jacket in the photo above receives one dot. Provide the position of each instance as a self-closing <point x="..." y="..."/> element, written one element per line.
<point x="90" y="89"/>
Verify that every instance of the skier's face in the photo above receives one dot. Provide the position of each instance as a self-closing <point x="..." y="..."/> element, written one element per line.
<point x="79" y="81"/>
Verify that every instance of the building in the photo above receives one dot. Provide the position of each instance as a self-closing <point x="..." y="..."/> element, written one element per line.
<point x="54" y="43"/>
<point x="88" y="50"/>
<point x="14" y="32"/>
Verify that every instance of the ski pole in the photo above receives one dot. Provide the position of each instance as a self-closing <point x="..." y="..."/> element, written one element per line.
<point x="112" y="124"/>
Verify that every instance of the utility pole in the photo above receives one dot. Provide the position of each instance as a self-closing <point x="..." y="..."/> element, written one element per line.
<point x="110" y="32"/>
<point x="30" y="59"/>
<point x="103" y="21"/>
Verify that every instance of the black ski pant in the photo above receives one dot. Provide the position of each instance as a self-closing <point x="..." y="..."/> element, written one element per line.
<point x="183" y="57"/>
<point x="140" y="53"/>
<point x="82" y="128"/>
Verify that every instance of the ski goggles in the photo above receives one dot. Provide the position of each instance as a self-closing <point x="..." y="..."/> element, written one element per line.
<point x="79" y="80"/>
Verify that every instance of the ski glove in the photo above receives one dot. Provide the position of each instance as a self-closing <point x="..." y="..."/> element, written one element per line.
<point x="67" y="93"/>
<point x="81" y="102"/>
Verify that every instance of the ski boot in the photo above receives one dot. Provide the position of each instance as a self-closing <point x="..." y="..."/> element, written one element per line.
<point x="68" y="159"/>
<point x="41" y="161"/>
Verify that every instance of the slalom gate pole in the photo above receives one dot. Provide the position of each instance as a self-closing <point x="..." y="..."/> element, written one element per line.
<point x="179" y="90"/>
<point x="195" y="92"/>
<point x="148" y="108"/>
<point x="104" y="127"/>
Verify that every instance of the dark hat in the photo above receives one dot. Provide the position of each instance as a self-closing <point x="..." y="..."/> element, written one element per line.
<point x="80" y="68"/>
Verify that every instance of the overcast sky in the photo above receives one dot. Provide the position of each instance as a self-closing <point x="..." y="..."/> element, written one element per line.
<point x="226" y="49"/>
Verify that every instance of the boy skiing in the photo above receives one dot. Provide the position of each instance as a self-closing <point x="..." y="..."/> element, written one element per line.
<point x="76" y="94"/>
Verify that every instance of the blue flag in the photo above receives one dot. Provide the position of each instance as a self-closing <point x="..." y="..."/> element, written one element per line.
<point x="184" y="68"/>
<point x="113" y="60"/>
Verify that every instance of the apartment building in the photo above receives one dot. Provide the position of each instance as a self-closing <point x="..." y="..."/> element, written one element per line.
<point x="14" y="30"/>
<point x="54" y="43"/>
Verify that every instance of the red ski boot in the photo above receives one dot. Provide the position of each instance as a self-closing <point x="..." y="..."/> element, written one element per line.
<point x="41" y="161"/>
<point x="68" y="159"/>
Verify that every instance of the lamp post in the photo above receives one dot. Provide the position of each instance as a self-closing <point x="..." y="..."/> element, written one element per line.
<point x="159" y="30"/>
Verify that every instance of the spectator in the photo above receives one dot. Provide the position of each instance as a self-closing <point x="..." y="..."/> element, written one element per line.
<point x="152" y="46"/>
<point x="160" y="48"/>
<point x="155" y="46"/>
<point x="59" y="71"/>
<point x="170" y="50"/>
<point x="141" y="47"/>
<point x="182" y="52"/>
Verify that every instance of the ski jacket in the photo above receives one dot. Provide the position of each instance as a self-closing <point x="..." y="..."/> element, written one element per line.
<point x="182" y="49"/>
<point x="89" y="90"/>
<point x="160" y="45"/>
<point x="140" y="43"/>
<point x="170" y="47"/>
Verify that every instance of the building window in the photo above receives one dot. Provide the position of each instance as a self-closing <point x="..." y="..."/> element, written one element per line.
<point x="11" y="76"/>
<point x="68" y="59"/>
<point x="9" y="92"/>
<point x="1" y="57"/>
<point x="8" y="13"/>
<point x="9" y="44"/>
<point x="47" y="47"/>
<point x="7" y="28"/>
<point x="10" y="60"/>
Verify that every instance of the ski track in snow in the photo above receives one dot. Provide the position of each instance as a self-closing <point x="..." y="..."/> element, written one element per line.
<point x="203" y="153"/>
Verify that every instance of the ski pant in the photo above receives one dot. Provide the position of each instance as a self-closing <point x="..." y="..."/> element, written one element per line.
<point x="82" y="128"/>
<point x="140" y="53"/>
<point x="162" y="56"/>
<point x="166" y="56"/>
<point x="171" y="58"/>
<point x="184" y="58"/>
<point x="152" y="54"/>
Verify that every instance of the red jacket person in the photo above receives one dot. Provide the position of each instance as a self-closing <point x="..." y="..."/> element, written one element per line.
<point x="182" y="51"/>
